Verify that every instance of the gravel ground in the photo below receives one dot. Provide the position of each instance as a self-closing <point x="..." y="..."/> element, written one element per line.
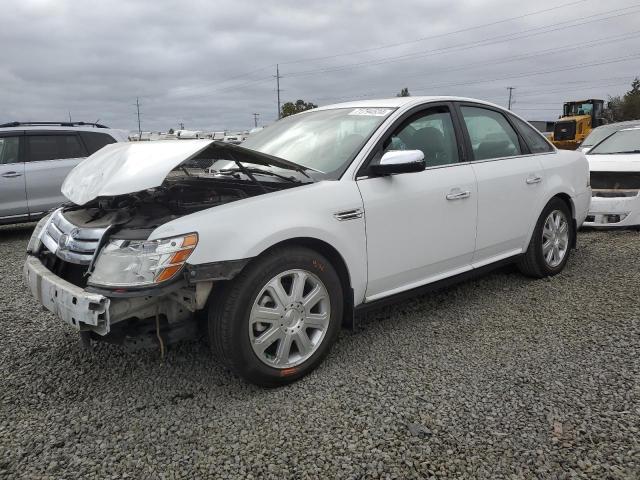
<point x="502" y="377"/>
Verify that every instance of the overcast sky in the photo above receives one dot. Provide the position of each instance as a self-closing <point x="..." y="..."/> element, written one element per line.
<point x="211" y="64"/>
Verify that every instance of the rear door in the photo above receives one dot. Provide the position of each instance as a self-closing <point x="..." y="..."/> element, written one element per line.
<point x="13" y="196"/>
<point x="510" y="183"/>
<point x="50" y="156"/>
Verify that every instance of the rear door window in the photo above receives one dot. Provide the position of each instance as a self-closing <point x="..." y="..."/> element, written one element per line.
<point x="490" y="133"/>
<point x="54" y="147"/>
<point x="9" y="150"/>
<point x="95" y="141"/>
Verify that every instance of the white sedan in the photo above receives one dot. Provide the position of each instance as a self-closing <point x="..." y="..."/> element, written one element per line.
<point x="615" y="179"/>
<point x="315" y="218"/>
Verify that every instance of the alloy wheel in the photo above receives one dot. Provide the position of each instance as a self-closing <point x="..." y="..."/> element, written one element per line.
<point x="555" y="238"/>
<point x="289" y="318"/>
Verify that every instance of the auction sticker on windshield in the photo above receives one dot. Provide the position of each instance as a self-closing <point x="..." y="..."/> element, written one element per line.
<point x="372" y="112"/>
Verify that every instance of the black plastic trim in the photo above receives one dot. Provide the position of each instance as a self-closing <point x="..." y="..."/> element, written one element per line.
<point x="123" y="292"/>
<point x="363" y="308"/>
<point x="214" y="271"/>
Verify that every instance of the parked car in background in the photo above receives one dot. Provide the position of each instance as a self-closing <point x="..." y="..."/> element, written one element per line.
<point x="322" y="215"/>
<point x="233" y="138"/>
<point x="615" y="179"/>
<point x="36" y="157"/>
<point x="602" y="132"/>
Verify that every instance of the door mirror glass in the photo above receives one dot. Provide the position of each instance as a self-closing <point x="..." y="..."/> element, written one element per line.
<point x="399" y="161"/>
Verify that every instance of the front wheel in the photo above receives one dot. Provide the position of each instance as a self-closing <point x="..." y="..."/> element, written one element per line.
<point x="276" y="321"/>
<point x="551" y="242"/>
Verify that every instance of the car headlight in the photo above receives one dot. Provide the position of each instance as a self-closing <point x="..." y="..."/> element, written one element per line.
<point x="135" y="263"/>
<point x="34" y="242"/>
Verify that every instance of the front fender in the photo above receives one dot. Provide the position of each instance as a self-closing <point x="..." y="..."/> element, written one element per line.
<point x="246" y="228"/>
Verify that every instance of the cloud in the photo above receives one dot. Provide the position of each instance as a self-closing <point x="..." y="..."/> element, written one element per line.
<point x="211" y="64"/>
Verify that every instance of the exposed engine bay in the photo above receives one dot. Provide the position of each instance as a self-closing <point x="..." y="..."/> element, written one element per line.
<point x="135" y="215"/>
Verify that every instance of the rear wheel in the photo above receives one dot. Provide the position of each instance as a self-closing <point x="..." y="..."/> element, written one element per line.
<point x="551" y="242"/>
<point x="276" y="321"/>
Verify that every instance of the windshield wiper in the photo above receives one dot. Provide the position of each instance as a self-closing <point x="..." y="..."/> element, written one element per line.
<point x="259" y="171"/>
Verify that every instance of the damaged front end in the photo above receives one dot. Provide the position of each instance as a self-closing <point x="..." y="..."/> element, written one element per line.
<point x="91" y="262"/>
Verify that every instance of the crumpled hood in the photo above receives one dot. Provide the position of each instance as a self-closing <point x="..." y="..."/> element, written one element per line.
<point x="625" y="162"/>
<point x="121" y="168"/>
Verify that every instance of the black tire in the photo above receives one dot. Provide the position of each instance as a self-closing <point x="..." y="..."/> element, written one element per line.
<point x="230" y="308"/>
<point x="533" y="264"/>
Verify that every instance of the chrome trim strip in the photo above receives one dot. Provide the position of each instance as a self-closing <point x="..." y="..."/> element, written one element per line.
<point x="348" y="214"/>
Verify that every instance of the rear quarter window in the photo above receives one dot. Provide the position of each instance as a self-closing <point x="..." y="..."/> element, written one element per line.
<point x="95" y="141"/>
<point x="9" y="150"/>
<point x="536" y="142"/>
<point x="54" y="147"/>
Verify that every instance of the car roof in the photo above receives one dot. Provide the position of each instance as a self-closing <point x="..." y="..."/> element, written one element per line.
<point x="620" y="125"/>
<point x="396" y="102"/>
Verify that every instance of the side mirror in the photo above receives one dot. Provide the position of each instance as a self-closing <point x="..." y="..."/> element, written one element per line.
<point x="399" y="161"/>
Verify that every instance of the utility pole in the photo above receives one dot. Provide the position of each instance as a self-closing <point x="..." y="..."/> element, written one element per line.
<point x="255" y="119"/>
<point x="181" y="125"/>
<point x="278" y="87"/>
<point x="69" y="117"/>
<point x="511" y="89"/>
<point x="138" y="110"/>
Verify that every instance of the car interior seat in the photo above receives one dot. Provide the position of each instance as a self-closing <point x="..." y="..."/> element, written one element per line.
<point x="494" y="149"/>
<point x="430" y="141"/>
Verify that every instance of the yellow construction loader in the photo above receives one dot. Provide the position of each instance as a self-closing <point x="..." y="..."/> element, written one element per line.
<point x="576" y="122"/>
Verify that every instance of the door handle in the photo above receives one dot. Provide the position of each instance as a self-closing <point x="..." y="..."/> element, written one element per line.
<point x="458" y="194"/>
<point x="533" y="179"/>
<point x="11" y="174"/>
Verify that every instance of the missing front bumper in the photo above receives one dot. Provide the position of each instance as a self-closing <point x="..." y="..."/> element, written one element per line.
<point x="75" y="306"/>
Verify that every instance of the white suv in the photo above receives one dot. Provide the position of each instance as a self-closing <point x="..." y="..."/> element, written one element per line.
<point x="317" y="217"/>
<point x="35" y="158"/>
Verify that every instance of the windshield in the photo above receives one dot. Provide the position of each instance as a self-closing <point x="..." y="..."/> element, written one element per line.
<point x="623" y="141"/>
<point x="572" y="109"/>
<point x="323" y="140"/>
<point x="597" y="135"/>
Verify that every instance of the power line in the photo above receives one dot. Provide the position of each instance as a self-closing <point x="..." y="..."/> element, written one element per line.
<point x="545" y="52"/>
<point x="431" y="37"/>
<point x="475" y="44"/>
<point x="544" y="92"/>
<point x="228" y="79"/>
<point x="543" y="72"/>
<point x="550" y="51"/>
<point x="509" y="77"/>
<point x="458" y="47"/>
<point x="229" y="87"/>
<point x="262" y="79"/>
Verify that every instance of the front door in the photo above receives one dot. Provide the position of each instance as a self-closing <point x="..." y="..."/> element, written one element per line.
<point x="13" y="197"/>
<point x="421" y="226"/>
